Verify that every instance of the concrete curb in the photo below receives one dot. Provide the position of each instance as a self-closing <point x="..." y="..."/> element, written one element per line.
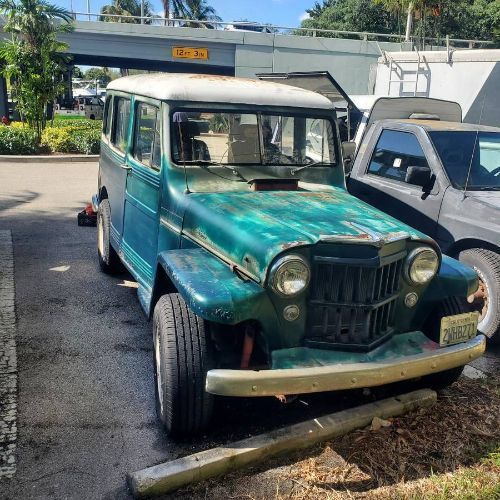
<point x="169" y="476"/>
<point x="47" y="158"/>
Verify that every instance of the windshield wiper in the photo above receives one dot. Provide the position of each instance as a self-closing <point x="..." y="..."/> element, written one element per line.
<point x="298" y="169"/>
<point x="227" y="167"/>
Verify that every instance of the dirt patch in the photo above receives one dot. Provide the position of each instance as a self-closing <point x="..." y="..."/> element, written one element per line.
<point x="432" y="452"/>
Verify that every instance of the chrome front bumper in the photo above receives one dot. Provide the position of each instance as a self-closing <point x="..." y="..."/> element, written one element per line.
<point x="432" y="359"/>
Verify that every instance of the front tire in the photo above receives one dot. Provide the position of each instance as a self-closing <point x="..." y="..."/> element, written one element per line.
<point x="183" y="355"/>
<point x="109" y="262"/>
<point x="487" y="299"/>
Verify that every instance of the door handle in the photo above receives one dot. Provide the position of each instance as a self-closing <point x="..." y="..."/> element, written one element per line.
<point x="126" y="167"/>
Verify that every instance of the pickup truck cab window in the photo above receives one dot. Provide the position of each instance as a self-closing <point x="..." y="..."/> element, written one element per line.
<point x="463" y="150"/>
<point x="396" y="151"/>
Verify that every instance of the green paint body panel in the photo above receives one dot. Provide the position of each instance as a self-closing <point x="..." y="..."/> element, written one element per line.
<point x="405" y="344"/>
<point x="253" y="228"/>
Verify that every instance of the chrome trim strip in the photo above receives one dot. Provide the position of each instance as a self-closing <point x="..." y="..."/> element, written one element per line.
<point x="221" y="256"/>
<point x="248" y="383"/>
<point x="169" y="225"/>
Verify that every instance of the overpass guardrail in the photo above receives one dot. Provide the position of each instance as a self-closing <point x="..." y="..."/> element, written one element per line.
<point x="428" y="42"/>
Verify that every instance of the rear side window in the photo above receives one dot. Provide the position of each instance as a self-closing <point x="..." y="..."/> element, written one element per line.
<point x="394" y="153"/>
<point x="121" y="112"/>
<point x="147" y="135"/>
<point x="106" y="128"/>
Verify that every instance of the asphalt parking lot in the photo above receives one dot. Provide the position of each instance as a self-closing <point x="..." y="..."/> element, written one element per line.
<point x="85" y="403"/>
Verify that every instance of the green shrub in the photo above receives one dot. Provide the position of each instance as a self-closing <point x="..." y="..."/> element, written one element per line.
<point x="77" y="122"/>
<point x="87" y="142"/>
<point x="17" y="141"/>
<point x="57" y="140"/>
<point x="72" y="139"/>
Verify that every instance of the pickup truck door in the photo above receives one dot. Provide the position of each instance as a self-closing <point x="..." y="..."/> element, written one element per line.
<point x="381" y="176"/>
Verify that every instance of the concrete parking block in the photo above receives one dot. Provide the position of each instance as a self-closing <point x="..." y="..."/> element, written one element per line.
<point x="8" y="359"/>
<point x="169" y="476"/>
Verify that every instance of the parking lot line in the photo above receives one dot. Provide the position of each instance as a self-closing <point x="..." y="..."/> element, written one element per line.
<point x="8" y="360"/>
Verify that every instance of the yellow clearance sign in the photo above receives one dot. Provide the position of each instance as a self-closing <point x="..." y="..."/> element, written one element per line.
<point x="189" y="53"/>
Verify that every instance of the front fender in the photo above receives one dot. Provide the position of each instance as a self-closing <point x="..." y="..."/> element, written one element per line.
<point x="453" y="280"/>
<point x="212" y="290"/>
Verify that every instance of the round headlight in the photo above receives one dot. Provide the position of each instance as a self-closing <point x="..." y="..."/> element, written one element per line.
<point x="290" y="275"/>
<point x="422" y="265"/>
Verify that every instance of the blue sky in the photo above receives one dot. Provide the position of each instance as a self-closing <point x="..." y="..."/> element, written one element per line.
<point x="280" y="12"/>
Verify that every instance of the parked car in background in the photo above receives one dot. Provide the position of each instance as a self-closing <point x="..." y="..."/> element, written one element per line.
<point x="249" y="27"/>
<point x="443" y="178"/>
<point x="262" y="274"/>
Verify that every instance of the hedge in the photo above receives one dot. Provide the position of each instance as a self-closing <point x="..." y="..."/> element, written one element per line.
<point x="72" y="139"/>
<point x="17" y="141"/>
<point x="61" y="136"/>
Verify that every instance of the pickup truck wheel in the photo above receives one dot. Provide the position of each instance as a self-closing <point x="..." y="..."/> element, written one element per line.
<point x="487" y="299"/>
<point x="182" y="357"/>
<point x="109" y="262"/>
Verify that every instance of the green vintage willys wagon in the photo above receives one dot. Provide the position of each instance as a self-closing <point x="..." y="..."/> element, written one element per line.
<point x="225" y="199"/>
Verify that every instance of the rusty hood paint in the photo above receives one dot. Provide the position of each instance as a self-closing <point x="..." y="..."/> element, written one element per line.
<point x="252" y="228"/>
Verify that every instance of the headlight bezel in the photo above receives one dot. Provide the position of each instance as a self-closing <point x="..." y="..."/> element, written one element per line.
<point x="412" y="258"/>
<point x="281" y="264"/>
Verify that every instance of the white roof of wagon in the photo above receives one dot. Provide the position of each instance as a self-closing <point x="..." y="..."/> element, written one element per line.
<point x="218" y="89"/>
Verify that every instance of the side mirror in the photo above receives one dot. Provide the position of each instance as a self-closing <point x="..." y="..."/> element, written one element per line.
<point x="348" y="152"/>
<point x="420" y="176"/>
<point x="348" y="149"/>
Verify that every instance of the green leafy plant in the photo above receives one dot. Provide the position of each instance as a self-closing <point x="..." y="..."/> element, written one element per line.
<point x="72" y="139"/>
<point x="17" y="141"/>
<point x="34" y="57"/>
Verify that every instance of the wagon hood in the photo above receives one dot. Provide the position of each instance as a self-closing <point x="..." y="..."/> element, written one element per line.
<point x="251" y="228"/>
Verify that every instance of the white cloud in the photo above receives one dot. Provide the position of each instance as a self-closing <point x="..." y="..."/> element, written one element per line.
<point x="304" y="16"/>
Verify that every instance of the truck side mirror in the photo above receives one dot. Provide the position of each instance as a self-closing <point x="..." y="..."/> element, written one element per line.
<point x="420" y="176"/>
<point x="348" y="153"/>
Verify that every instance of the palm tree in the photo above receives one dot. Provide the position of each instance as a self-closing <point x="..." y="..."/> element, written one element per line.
<point x="33" y="56"/>
<point x="198" y="10"/>
<point x="127" y="8"/>
<point x="33" y="20"/>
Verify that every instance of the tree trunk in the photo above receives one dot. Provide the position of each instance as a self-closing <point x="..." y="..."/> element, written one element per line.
<point x="409" y="22"/>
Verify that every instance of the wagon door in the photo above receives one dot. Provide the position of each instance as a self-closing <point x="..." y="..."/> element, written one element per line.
<point x="142" y="195"/>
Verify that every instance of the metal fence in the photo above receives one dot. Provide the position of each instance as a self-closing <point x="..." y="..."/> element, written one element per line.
<point x="428" y="43"/>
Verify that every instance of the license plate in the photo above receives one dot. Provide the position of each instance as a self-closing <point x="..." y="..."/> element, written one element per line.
<point x="458" y="328"/>
<point x="189" y="53"/>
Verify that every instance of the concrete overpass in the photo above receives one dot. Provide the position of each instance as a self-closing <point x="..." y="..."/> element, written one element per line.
<point x="141" y="46"/>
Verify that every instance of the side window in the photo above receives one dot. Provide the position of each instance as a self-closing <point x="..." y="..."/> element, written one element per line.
<point x="147" y="135"/>
<point x="106" y="123"/>
<point x="121" y="112"/>
<point x="394" y="153"/>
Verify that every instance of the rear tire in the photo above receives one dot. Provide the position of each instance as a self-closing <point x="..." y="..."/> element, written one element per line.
<point x="109" y="262"/>
<point x="487" y="265"/>
<point x="182" y="357"/>
<point x="448" y="307"/>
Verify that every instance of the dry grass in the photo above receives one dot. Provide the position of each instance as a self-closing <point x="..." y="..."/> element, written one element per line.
<point x="451" y="450"/>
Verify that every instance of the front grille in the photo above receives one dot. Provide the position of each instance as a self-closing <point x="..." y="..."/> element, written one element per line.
<point x="352" y="301"/>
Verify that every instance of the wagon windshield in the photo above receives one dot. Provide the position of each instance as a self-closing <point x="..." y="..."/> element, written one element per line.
<point x="219" y="146"/>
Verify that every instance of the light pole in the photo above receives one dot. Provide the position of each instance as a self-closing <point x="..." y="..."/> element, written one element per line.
<point x="88" y="8"/>
<point x="142" y="11"/>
